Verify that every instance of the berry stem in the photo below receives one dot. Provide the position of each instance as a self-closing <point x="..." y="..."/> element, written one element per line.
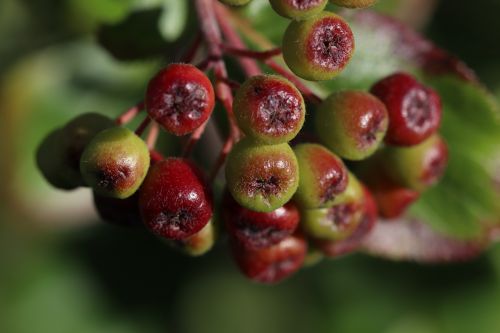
<point x="259" y="55"/>
<point x="228" y="145"/>
<point x="192" y="51"/>
<point x="142" y="126"/>
<point x="130" y="114"/>
<point x="249" y="66"/>
<point x="153" y="134"/>
<point x="156" y="156"/>
<point x="193" y="139"/>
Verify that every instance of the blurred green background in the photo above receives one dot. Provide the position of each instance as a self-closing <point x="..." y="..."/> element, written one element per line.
<point x="62" y="270"/>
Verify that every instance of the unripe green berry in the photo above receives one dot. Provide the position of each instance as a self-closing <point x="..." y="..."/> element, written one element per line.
<point x="323" y="176"/>
<point x="51" y="163"/>
<point x="269" y="109"/>
<point x="115" y="162"/>
<point x="235" y="2"/>
<point x="353" y="3"/>
<point x="339" y="221"/>
<point x="262" y="178"/>
<point x="318" y="48"/>
<point x="199" y="243"/>
<point x="417" y="167"/>
<point x="352" y="123"/>
<point x="298" y="9"/>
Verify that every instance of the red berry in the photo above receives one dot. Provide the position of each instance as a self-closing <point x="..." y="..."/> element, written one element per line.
<point x="257" y="230"/>
<point x="394" y="200"/>
<point x="180" y="98"/>
<point x="414" y="110"/>
<point x="174" y="201"/>
<point x="271" y="264"/>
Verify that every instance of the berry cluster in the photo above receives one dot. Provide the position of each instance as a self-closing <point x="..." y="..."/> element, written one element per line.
<point x="286" y="190"/>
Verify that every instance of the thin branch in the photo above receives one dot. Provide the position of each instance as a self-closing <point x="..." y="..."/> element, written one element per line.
<point x="153" y="134"/>
<point x="130" y="114"/>
<point x="142" y="126"/>
<point x="258" y="55"/>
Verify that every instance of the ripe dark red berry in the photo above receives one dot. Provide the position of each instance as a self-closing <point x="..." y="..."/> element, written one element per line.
<point x="123" y="212"/>
<point x="271" y="264"/>
<point x="414" y="110"/>
<point x="318" y="48"/>
<point x="352" y="123"/>
<point x="269" y="109"/>
<point x="174" y="201"/>
<point x="180" y="98"/>
<point x="257" y="230"/>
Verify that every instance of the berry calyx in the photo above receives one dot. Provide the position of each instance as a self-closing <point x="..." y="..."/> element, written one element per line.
<point x="271" y="264"/>
<point x="262" y="178"/>
<point x="318" y="48"/>
<point x="352" y="123"/>
<point x="323" y="176"/>
<point x="115" y="163"/>
<point x="353" y="3"/>
<point x="339" y="221"/>
<point x="174" y="200"/>
<point x="298" y="9"/>
<point x="180" y="98"/>
<point x="255" y="229"/>
<point x="269" y="109"/>
<point x="417" y="167"/>
<point x="414" y="109"/>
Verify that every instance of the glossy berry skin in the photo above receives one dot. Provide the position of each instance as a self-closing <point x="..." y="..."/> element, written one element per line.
<point x="269" y="109"/>
<point x="115" y="163"/>
<point x="323" y="176"/>
<point x="180" y="98"/>
<point x="352" y="123"/>
<point x="174" y="200"/>
<point x="258" y="230"/>
<point x="417" y="167"/>
<point x="122" y="212"/>
<point x="235" y="2"/>
<point x="262" y="178"/>
<point x="51" y="163"/>
<point x="199" y="243"/>
<point x="339" y="221"/>
<point x="298" y="9"/>
<point x="352" y="243"/>
<point x="414" y="110"/>
<point x="271" y="264"/>
<point x="353" y="3"/>
<point x="318" y="48"/>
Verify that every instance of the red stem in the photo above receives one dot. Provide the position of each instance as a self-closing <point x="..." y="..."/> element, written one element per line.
<point x="193" y="139"/>
<point x="130" y="114"/>
<point x="190" y="54"/>
<point x="153" y="134"/>
<point x="155" y="156"/>
<point x="259" y="55"/>
<point x="249" y="66"/>
<point x="142" y="126"/>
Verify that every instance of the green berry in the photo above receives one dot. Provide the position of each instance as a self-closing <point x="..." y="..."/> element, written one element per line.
<point x="318" y="48"/>
<point x="323" y="176"/>
<point x="353" y="3"/>
<point x="339" y="221"/>
<point x="115" y="162"/>
<point x="77" y="135"/>
<point x="269" y="109"/>
<point x="199" y="243"/>
<point x="51" y="163"/>
<point x="235" y="2"/>
<point x="298" y="9"/>
<point x="416" y="167"/>
<point x="352" y="123"/>
<point x="262" y="178"/>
